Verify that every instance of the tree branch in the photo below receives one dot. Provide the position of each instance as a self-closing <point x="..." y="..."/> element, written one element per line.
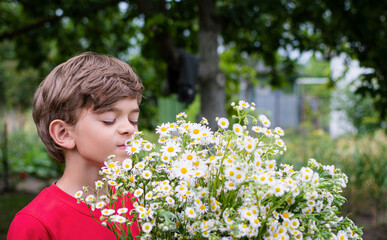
<point x="53" y="19"/>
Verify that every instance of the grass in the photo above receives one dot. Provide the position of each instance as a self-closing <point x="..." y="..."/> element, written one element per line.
<point x="11" y="203"/>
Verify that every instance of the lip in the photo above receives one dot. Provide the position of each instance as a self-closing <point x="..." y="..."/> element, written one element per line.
<point x="123" y="147"/>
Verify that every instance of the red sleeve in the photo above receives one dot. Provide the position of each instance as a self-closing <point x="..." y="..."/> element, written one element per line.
<point x="25" y="226"/>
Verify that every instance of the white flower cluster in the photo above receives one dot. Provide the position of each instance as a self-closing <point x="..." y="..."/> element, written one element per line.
<point x="223" y="185"/>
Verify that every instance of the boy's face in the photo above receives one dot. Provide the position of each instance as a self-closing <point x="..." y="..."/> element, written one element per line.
<point x="98" y="135"/>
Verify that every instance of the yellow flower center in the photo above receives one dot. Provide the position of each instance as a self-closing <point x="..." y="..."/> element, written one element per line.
<point x="171" y="149"/>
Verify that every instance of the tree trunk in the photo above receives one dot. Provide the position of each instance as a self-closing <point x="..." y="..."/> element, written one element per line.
<point x="211" y="79"/>
<point x="4" y="149"/>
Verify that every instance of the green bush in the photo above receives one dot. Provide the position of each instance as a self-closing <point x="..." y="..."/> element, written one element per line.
<point x="362" y="158"/>
<point x="27" y="156"/>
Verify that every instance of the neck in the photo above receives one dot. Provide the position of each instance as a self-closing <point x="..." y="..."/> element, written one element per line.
<point x="77" y="174"/>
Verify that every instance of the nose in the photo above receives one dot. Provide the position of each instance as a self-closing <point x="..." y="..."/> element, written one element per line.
<point x="127" y="128"/>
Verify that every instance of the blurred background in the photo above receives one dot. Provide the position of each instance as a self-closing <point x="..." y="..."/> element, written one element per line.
<point x="317" y="68"/>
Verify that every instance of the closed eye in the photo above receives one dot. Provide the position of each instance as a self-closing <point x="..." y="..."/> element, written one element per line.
<point x="134" y="122"/>
<point x="110" y="122"/>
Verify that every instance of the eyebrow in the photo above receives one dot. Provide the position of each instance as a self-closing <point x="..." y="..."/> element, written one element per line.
<point x="118" y="110"/>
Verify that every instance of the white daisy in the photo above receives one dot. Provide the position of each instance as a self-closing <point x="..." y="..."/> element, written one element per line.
<point x="122" y="210"/>
<point x="147" y="227"/>
<point x="223" y="123"/>
<point x="255" y="223"/>
<point x="148" y="146"/>
<point x="100" y="205"/>
<point x="279" y="131"/>
<point x="112" y="183"/>
<point x="108" y="212"/>
<point x="189" y="155"/>
<point x="182" y="169"/>
<point x="147" y="174"/>
<point x="134" y="147"/>
<point x="230" y="185"/>
<point x="190" y="212"/>
<point x="127" y="164"/>
<point x="238" y="129"/>
<point x="138" y="192"/>
<point x="154" y="206"/>
<point x="342" y="235"/>
<point x="250" y="145"/>
<point x="264" y="120"/>
<point x="267" y="132"/>
<point x="140" y="165"/>
<point x="170" y="200"/>
<point x="118" y="218"/>
<point x="280" y="142"/>
<point x="243" y="104"/>
<point x="294" y="223"/>
<point x="181" y="115"/>
<point x="165" y="158"/>
<point x="196" y="131"/>
<point x="240" y="176"/>
<point x="90" y="198"/>
<point x="257" y="129"/>
<point x="149" y="195"/>
<point x="171" y="149"/>
<point x="78" y="194"/>
<point x="163" y="129"/>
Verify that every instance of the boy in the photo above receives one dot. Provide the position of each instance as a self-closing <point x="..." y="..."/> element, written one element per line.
<point x="84" y="110"/>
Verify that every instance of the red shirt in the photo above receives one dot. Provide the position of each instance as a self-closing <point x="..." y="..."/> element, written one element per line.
<point x="54" y="214"/>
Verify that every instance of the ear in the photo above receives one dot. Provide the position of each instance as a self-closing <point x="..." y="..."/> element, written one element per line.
<point x="61" y="133"/>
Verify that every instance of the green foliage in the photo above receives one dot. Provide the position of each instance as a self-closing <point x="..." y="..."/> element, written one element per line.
<point x="46" y="33"/>
<point x="360" y="111"/>
<point x="27" y="154"/>
<point x="317" y="68"/>
<point x="361" y="158"/>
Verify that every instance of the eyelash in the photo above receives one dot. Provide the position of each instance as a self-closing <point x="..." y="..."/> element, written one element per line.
<point x="134" y="122"/>
<point x="112" y="122"/>
<point x="109" y="122"/>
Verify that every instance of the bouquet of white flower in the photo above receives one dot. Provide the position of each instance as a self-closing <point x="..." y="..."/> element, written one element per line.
<point x="200" y="184"/>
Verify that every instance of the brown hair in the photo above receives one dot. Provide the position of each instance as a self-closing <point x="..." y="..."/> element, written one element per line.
<point x="84" y="81"/>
